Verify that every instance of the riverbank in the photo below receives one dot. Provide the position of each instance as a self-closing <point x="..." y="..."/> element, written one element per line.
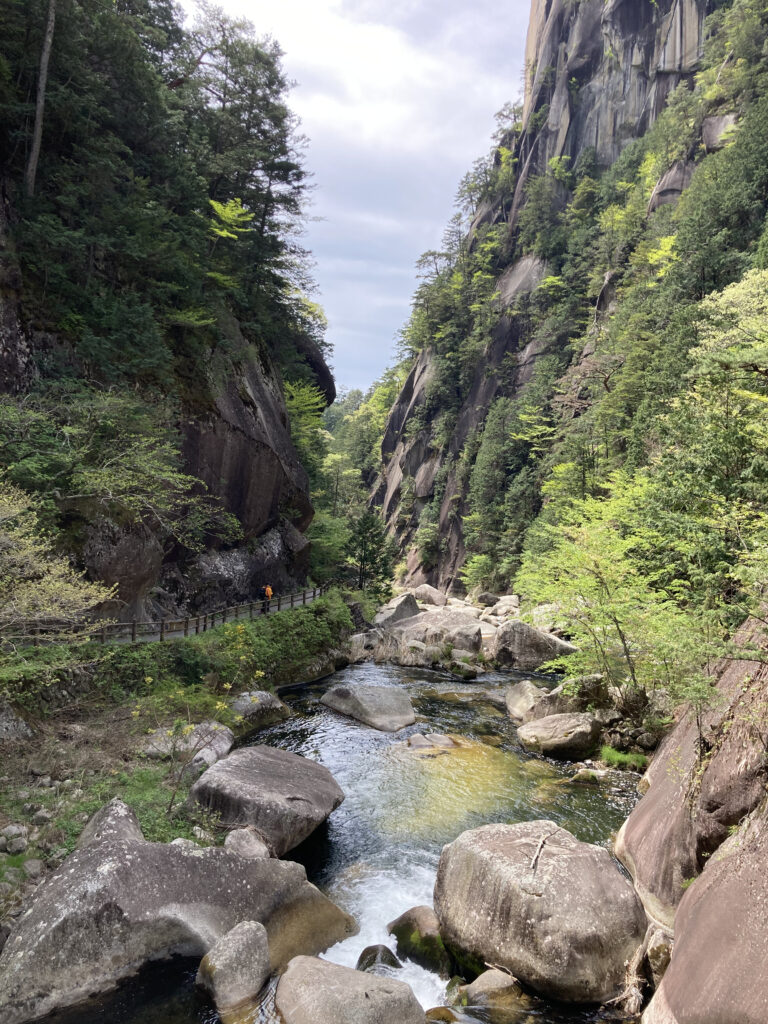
<point x="90" y="709"/>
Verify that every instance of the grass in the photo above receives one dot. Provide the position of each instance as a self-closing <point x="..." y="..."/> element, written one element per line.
<point x="618" y="759"/>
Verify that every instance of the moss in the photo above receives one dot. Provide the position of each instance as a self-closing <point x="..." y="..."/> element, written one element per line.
<point x="617" y="759"/>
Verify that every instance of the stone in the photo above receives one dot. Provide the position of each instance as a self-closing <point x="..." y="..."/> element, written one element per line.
<point x="235" y="968"/>
<point x="41" y="817"/>
<point x="441" y="1013"/>
<point x="555" y="912"/>
<point x="462" y="671"/>
<point x="247" y="842"/>
<point x="283" y="795"/>
<point x="487" y="600"/>
<point x="500" y="995"/>
<point x="521" y="699"/>
<point x="658" y="952"/>
<point x="314" y="991"/>
<point x="33" y="868"/>
<point x="689" y="809"/>
<point x="259" y="709"/>
<point x="568" y="737"/>
<point x="517" y="645"/>
<point x="206" y="744"/>
<point x="403" y="607"/>
<point x="378" y="959"/>
<point x="459" y="654"/>
<point x="717" y="970"/>
<point x="468" y="638"/>
<point x="715" y="131"/>
<point x="417" y="933"/>
<point x="17" y="845"/>
<point x="12" y="727"/>
<point x="386" y="708"/>
<point x="114" y="821"/>
<point x="14" y="831"/>
<point x="116" y="904"/>
<point x="430" y="595"/>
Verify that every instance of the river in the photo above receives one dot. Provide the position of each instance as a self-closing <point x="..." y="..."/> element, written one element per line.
<point x="378" y="853"/>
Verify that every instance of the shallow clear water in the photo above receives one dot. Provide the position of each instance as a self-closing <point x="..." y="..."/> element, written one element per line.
<point x="377" y="855"/>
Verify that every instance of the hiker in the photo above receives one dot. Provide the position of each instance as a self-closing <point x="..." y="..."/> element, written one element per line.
<point x="268" y="595"/>
<point x="261" y="595"/>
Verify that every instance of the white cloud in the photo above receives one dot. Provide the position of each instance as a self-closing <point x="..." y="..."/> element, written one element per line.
<point x="397" y="99"/>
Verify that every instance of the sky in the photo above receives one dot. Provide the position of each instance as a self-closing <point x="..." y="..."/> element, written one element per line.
<point x="397" y="99"/>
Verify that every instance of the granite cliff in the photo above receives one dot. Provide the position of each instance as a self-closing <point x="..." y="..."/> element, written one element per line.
<point x="597" y="77"/>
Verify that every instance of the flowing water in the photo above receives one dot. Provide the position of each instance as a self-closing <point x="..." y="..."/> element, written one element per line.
<point x="377" y="855"/>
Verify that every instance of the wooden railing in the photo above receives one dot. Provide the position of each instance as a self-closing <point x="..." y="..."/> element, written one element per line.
<point x="191" y="625"/>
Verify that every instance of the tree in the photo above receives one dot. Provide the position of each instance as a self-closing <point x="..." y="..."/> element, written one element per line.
<point x="42" y="81"/>
<point x="371" y="553"/>
<point x="38" y="587"/>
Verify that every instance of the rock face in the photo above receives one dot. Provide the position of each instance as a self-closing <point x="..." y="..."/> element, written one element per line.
<point x="598" y="74"/>
<point x="564" y="736"/>
<point x="520" y="646"/>
<point x="382" y="707"/>
<point x="117" y="903"/>
<point x="235" y="969"/>
<point x="531" y="898"/>
<point x="315" y="991"/>
<point x="717" y="973"/>
<point x="283" y="795"/>
<point x="687" y="812"/>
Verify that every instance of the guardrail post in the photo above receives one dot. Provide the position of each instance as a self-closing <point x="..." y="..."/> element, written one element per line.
<point x="303" y="597"/>
<point x="197" y="625"/>
<point x="279" y="601"/>
<point x="133" y="632"/>
<point x="186" y="627"/>
<point x="250" y="610"/>
<point x="103" y="634"/>
<point x="291" y="600"/>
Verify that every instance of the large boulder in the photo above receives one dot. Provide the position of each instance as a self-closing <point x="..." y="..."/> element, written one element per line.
<point x="383" y="707"/>
<point x="692" y="804"/>
<point x="430" y="595"/>
<point x="314" y="991"/>
<point x="117" y="903"/>
<point x="284" y="795"/>
<point x="235" y="968"/>
<point x="521" y="699"/>
<point x="520" y="646"/>
<point x="399" y="608"/>
<point x="568" y="736"/>
<point x="115" y="820"/>
<point x="466" y="638"/>
<point x="257" y="709"/>
<point x="530" y="898"/>
<point x="717" y="973"/>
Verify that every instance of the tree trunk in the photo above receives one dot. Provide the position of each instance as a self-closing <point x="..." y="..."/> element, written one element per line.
<point x="42" y="81"/>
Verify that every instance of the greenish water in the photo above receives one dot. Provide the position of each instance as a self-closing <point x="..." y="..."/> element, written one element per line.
<point x="377" y="855"/>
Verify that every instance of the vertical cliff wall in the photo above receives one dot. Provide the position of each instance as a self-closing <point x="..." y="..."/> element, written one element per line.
<point x="598" y="73"/>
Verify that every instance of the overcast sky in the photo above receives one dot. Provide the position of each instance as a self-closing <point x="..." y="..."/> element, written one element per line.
<point x="397" y="98"/>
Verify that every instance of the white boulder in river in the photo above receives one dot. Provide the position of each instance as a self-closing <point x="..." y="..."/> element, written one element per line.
<point x="314" y="991"/>
<point x="119" y="902"/>
<point x="384" y="707"/>
<point x="283" y="795"/>
<point x="531" y="898"/>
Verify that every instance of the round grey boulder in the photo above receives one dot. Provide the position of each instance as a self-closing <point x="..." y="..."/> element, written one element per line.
<point x="314" y="991"/>
<point x="235" y="969"/>
<point x="567" y="737"/>
<point x="555" y="912"/>
<point x="283" y="795"/>
<point x="386" y="708"/>
<point x="258" y="709"/>
<point x="247" y="842"/>
<point x="517" y="645"/>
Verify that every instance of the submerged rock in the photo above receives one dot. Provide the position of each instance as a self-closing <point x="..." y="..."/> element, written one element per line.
<point x="561" y="736"/>
<point x="555" y="912"/>
<point x="378" y="959"/>
<point x="316" y="991"/>
<point x="117" y="903"/>
<point x="417" y="933"/>
<point x="500" y="995"/>
<point x="283" y="795"/>
<point x="525" y="648"/>
<point x="383" y="707"/>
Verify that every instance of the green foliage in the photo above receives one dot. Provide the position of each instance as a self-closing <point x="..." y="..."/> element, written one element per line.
<point x="371" y="554"/>
<point x="617" y="759"/>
